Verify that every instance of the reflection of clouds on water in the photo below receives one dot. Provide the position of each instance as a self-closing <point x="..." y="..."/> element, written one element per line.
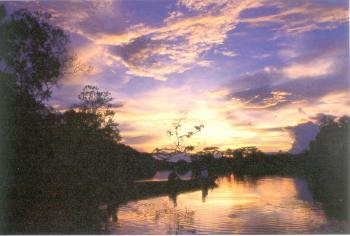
<point x="274" y="207"/>
<point x="303" y="191"/>
<point x="161" y="214"/>
<point x="245" y="206"/>
<point x="164" y="174"/>
<point x="161" y="175"/>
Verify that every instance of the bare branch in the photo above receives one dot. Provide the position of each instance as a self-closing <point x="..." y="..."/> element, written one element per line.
<point x="179" y="139"/>
<point x="75" y="66"/>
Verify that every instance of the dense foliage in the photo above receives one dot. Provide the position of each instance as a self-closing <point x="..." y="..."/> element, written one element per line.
<point x="33" y="50"/>
<point x="328" y="166"/>
<point x="69" y="159"/>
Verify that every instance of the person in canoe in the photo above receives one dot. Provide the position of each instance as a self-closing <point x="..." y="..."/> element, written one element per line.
<point x="173" y="176"/>
<point x="204" y="173"/>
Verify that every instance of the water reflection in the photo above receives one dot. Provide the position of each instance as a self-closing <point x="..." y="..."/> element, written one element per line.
<point x="164" y="174"/>
<point x="237" y="206"/>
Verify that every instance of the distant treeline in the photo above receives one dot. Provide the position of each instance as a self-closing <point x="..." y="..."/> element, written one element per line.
<point x="325" y="165"/>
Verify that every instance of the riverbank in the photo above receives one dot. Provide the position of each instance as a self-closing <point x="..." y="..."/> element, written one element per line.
<point x="80" y="213"/>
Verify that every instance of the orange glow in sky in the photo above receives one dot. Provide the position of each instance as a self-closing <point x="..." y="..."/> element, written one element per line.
<point x="249" y="70"/>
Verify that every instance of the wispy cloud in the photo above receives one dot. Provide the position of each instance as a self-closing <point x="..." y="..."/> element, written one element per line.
<point x="273" y="90"/>
<point x="193" y="28"/>
<point x="295" y="17"/>
<point x="176" y="46"/>
<point x="247" y="69"/>
<point x="311" y="69"/>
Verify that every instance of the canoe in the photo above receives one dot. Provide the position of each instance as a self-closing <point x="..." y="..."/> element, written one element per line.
<point x="149" y="188"/>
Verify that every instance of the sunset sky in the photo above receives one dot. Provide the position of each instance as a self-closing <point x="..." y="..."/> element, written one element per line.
<point x="254" y="72"/>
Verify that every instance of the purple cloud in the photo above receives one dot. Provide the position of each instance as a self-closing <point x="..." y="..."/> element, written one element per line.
<point x="302" y="135"/>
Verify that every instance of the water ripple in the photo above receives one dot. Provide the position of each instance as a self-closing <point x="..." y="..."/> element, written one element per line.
<point x="271" y="205"/>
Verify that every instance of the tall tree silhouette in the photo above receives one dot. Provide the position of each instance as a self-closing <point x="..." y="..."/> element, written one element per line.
<point x="98" y="104"/>
<point x="34" y="51"/>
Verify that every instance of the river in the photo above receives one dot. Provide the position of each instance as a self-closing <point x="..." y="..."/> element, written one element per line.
<point x="273" y="205"/>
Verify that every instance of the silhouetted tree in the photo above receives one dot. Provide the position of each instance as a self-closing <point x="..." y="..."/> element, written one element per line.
<point x="69" y="160"/>
<point x="34" y="51"/>
<point x="98" y="104"/>
<point x="244" y="152"/>
<point x="211" y="151"/>
<point x="178" y="139"/>
<point x="328" y="165"/>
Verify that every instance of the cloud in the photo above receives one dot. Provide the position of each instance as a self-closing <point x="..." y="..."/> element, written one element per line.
<point x="302" y="134"/>
<point x="180" y="41"/>
<point x="321" y="118"/>
<point x="179" y="44"/>
<point x="150" y="58"/>
<point x="301" y="111"/>
<point x="317" y="68"/>
<point x="229" y="53"/>
<point x="295" y="17"/>
<point x="311" y="69"/>
<point x="220" y="94"/>
<point x="262" y="56"/>
<point x="262" y="98"/>
<point x="202" y="5"/>
<point x="80" y="17"/>
<point x="269" y="85"/>
<point x="277" y="90"/>
<point x="259" y="90"/>
<point x="141" y="139"/>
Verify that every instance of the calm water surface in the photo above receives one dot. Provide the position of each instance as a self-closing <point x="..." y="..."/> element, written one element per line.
<point x="268" y="205"/>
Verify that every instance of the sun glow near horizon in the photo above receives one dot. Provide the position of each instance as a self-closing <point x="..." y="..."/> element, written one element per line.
<point x="218" y="130"/>
<point x="251" y="71"/>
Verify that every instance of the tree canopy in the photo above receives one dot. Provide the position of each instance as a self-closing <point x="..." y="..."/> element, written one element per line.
<point x="97" y="104"/>
<point x="33" y="51"/>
